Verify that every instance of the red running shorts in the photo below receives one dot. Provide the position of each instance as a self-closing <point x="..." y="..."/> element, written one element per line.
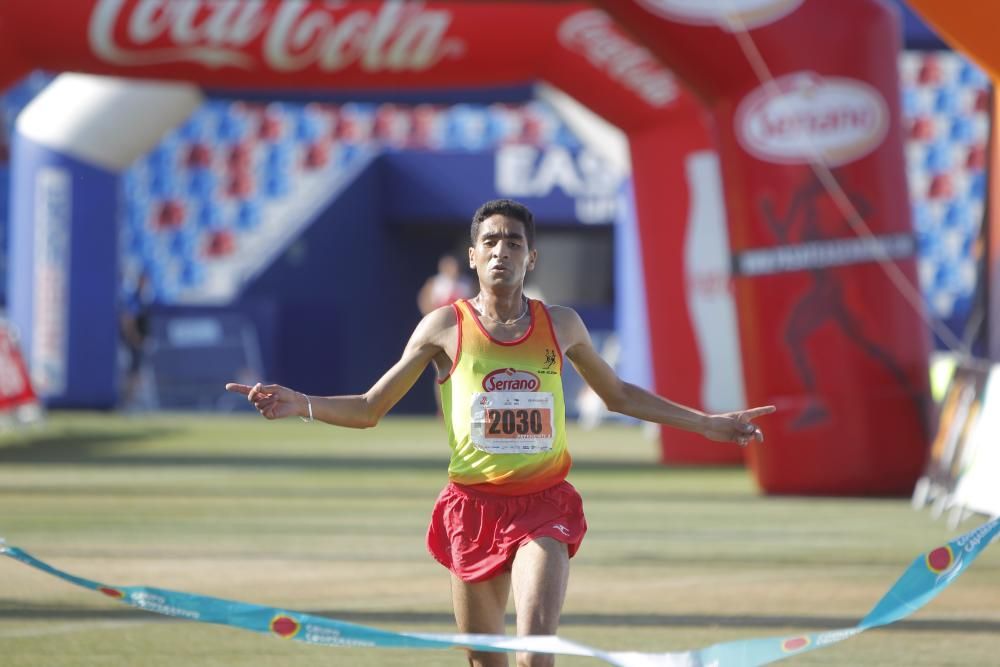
<point x="475" y="534"/>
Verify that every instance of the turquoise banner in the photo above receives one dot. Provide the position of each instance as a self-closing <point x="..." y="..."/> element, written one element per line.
<point x="928" y="575"/>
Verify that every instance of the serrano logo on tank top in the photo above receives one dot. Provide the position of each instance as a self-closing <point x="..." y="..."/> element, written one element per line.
<point x="511" y="379"/>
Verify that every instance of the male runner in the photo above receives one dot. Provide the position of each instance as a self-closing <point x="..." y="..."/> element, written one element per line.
<point x="507" y="520"/>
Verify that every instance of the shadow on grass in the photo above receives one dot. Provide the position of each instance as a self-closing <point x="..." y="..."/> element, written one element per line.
<point x="92" y="448"/>
<point x="75" y="445"/>
<point x="386" y="619"/>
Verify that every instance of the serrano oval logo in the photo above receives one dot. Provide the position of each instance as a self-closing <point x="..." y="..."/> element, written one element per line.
<point x="511" y="379"/>
<point x="803" y="117"/>
<point x="729" y="15"/>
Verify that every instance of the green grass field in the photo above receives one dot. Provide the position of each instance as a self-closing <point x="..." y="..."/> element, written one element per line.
<point x="332" y="521"/>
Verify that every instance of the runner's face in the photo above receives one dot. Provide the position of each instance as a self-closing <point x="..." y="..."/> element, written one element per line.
<point x="501" y="256"/>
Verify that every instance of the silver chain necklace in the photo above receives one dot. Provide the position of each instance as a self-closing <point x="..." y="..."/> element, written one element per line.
<point x="505" y="323"/>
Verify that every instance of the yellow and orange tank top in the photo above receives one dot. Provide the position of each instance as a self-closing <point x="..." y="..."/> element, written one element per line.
<point x="504" y="408"/>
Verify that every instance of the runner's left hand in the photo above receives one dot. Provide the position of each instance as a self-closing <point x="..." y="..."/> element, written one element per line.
<point x="737" y="427"/>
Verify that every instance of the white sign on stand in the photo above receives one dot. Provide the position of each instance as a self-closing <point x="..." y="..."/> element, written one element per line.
<point x="977" y="489"/>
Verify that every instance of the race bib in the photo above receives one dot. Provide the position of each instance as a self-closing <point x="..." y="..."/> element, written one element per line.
<point x="513" y="422"/>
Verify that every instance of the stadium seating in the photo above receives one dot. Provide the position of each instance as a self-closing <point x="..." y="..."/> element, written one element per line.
<point x="224" y="176"/>
<point x="945" y="103"/>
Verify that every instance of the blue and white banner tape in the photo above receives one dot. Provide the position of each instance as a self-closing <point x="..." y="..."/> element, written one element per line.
<point x="928" y="575"/>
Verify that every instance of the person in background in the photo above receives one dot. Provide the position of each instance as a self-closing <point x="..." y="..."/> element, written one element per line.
<point x="445" y="287"/>
<point x="134" y="329"/>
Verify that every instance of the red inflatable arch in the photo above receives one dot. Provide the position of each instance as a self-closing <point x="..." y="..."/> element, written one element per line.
<point x="824" y="333"/>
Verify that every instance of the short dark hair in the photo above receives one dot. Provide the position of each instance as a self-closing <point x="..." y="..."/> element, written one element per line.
<point x="510" y="209"/>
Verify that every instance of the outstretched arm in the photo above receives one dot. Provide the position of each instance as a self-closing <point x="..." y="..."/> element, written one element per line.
<point x="429" y="339"/>
<point x="628" y="399"/>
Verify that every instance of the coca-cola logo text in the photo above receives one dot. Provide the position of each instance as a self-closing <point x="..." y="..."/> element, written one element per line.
<point x="593" y="34"/>
<point x="510" y="379"/>
<point x="803" y="117"/>
<point x="287" y="36"/>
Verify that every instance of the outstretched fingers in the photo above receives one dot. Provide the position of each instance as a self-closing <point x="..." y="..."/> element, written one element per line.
<point x="753" y="413"/>
<point x="264" y="397"/>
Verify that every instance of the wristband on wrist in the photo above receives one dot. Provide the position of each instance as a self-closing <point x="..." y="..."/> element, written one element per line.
<point x="310" y="405"/>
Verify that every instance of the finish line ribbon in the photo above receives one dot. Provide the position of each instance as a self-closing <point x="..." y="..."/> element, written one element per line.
<point x="928" y="575"/>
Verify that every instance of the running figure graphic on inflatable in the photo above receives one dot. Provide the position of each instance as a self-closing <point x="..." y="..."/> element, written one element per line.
<point x="824" y="301"/>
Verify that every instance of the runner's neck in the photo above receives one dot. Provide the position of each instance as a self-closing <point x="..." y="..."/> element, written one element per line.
<point x="505" y="310"/>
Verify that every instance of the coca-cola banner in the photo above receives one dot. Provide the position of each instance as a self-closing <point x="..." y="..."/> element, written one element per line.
<point x="307" y="44"/>
<point x="271" y="43"/>
<point x="296" y="43"/>
<point x="810" y="141"/>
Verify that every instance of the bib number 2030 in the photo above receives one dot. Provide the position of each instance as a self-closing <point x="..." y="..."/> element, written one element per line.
<point x="513" y="422"/>
<point x="505" y="423"/>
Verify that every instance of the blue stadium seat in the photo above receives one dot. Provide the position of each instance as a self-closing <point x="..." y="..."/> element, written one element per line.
<point x="938" y="158"/>
<point x="276" y="184"/>
<point x="347" y="154"/>
<point x="977" y="186"/>
<point x="306" y="125"/>
<point x="202" y="184"/>
<point x="231" y="125"/>
<point x="248" y="215"/>
<point x="207" y="216"/>
<point x="278" y="157"/>
<point x="946" y="101"/>
<point x="969" y="242"/>
<point x="163" y="185"/>
<point x="956" y="215"/>
<point x="961" y="129"/>
<point x="910" y="102"/>
<point x="946" y="277"/>
<point x="923" y="217"/>
<point x="191" y="273"/>
<point x="183" y="242"/>
<point x="466" y="128"/>
<point x="163" y="158"/>
<point x="971" y="76"/>
<point x="136" y="215"/>
<point x="141" y="245"/>
<point x="195" y="128"/>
